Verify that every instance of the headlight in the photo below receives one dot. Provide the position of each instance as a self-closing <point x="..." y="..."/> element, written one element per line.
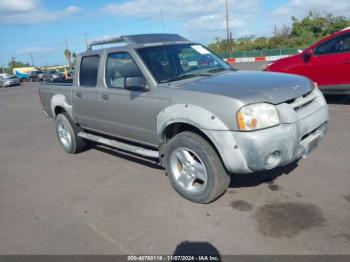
<point x="257" y="116"/>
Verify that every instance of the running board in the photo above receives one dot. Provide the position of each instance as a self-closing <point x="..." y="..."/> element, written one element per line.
<point x="124" y="146"/>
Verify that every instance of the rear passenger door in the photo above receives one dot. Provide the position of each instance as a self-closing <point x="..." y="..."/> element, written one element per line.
<point x="129" y="114"/>
<point x="85" y="93"/>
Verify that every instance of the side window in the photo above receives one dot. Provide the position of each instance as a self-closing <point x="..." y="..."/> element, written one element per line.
<point x="119" y="66"/>
<point x="158" y="62"/>
<point x="339" y="44"/>
<point x="88" y="71"/>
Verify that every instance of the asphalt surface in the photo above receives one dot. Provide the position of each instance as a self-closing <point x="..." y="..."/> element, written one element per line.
<point x="106" y="202"/>
<point x="250" y="65"/>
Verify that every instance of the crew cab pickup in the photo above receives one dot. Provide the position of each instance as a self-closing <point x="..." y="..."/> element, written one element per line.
<point x="153" y="96"/>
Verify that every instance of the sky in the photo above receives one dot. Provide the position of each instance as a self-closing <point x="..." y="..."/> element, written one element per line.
<point x="44" y="28"/>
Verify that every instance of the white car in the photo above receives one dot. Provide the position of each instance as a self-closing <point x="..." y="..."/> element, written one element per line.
<point x="9" y="80"/>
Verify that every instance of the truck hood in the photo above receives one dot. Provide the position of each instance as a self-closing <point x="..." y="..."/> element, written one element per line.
<point x="250" y="86"/>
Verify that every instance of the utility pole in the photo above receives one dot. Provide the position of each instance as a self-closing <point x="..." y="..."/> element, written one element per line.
<point x="228" y="30"/>
<point x="31" y="58"/>
<point x="13" y="59"/>
<point x="86" y="41"/>
<point x="275" y="30"/>
<point x="2" y="66"/>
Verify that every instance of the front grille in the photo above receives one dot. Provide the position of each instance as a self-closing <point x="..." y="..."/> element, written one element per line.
<point x="302" y="101"/>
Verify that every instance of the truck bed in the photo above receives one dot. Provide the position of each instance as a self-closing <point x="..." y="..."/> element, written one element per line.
<point x="48" y="89"/>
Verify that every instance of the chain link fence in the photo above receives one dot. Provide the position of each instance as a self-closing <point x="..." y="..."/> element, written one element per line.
<point x="257" y="53"/>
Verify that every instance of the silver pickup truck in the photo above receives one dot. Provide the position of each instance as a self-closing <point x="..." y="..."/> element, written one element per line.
<point x="162" y="96"/>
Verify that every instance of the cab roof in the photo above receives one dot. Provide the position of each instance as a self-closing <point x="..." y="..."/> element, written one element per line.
<point x="141" y="40"/>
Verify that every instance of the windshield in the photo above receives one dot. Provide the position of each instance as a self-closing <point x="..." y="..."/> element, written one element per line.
<point x="174" y="62"/>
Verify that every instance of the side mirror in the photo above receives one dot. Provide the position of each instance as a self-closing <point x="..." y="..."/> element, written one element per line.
<point x="309" y="53"/>
<point x="136" y="83"/>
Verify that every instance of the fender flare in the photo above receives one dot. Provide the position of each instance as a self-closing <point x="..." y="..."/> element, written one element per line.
<point x="60" y="100"/>
<point x="189" y="114"/>
<point x="215" y="129"/>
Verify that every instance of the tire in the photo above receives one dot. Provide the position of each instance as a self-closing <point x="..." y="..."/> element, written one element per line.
<point x="67" y="134"/>
<point x="201" y="177"/>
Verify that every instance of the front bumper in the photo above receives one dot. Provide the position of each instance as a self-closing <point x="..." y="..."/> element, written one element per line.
<point x="281" y="145"/>
<point x="302" y="129"/>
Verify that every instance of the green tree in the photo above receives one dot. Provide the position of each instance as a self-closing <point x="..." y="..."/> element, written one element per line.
<point x="302" y="33"/>
<point x="15" y="64"/>
<point x="74" y="55"/>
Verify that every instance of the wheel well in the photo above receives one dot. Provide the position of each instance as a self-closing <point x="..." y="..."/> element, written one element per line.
<point x="59" y="110"/>
<point x="177" y="128"/>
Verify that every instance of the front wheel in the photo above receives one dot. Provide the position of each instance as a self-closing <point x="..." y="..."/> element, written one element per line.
<point x="194" y="168"/>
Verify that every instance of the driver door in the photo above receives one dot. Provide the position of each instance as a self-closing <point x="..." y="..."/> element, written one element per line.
<point x="331" y="63"/>
<point x="129" y="114"/>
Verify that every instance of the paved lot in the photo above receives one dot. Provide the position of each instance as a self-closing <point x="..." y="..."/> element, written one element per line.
<point x="106" y="202"/>
<point x="250" y="65"/>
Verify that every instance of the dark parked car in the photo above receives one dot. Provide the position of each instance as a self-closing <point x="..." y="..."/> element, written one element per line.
<point x="35" y="76"/>
<point x="327" y="63"/>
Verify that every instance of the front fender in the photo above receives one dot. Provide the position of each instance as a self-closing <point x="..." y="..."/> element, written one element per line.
<point x="215" y="129"/>
<point x="189" y="114"/>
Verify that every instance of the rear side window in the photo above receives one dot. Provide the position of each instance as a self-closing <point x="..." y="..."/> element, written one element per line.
<point x="89" y="71"/>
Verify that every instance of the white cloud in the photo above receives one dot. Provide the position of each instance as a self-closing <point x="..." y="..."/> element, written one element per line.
<point x="72" y="10"/>
<point x="200" y="20"/>
<point x="17" y="6"/>
<point x="300" y="8"/>
<point x="31" y="11"/>
<point x="35" y="50"/>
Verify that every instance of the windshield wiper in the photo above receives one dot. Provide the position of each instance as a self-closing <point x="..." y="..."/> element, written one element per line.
<point x="180" y="77"/>
<point x="220" y="69"/>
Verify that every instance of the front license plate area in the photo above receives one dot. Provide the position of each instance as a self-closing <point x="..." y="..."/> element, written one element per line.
<point x="310" y="143"/>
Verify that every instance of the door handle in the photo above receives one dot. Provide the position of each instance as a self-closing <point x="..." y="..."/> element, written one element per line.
<point x="347" y="61"/>
<point x="78" y="95"/>
<point x="105" y="97"/>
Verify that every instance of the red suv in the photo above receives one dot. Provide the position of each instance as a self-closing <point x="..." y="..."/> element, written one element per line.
<point x="327" y="63"/>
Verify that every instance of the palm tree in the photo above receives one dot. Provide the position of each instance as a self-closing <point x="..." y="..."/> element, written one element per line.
<point x="68" y="55"/>
<point x="74" y="55"/>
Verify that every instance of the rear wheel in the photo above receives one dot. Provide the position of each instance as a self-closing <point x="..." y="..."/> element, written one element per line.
<point x="67" y="133"/>
<point x="194" y="168"/>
